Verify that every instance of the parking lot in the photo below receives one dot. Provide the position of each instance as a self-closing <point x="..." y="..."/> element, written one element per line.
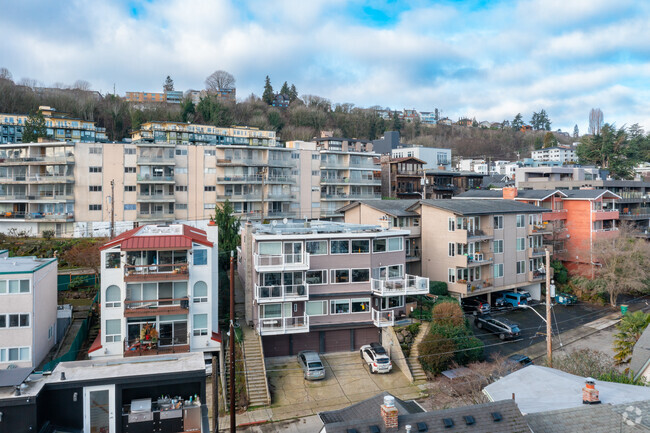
<point x="347" y="381"/>
<point x="533" y="328"/>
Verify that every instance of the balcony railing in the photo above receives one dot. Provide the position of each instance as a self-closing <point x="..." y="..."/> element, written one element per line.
<point x="156" y="307"/>
<point x="472" y="286"/>
<point x="296" y="292"/>
<point x="139" y="347"/>
<point x="154" y="179"/>
<point x="408" y="285"/>
<point x="281" y="262"/>
<point x="536" y="251"/>
<point x="175" y="271"/>
<point x="156" y="216"/>
<point x="477" y="233"/>
<point x="241" y="197"/>
<point x="283" y="325"/>
<point x="479" y="259"/>
<point x="162" y="160"/>
<point x="605" y="214"/>
<point x="537" y="275"/>
<point x="155" y="197"/>
<point x="383" y="318"/>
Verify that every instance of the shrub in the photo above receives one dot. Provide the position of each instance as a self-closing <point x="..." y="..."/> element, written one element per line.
<point x="421" y="314"/>
<point x="436" y="352"/>
<point x="442" y="299"/>
<point x="438" y="288"/>
<point x="413" y="328"/>
<point x="48" y="234"/>
<point x="448" y="313"/>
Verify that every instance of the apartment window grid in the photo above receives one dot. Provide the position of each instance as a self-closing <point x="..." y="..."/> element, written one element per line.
<point x="521" y="221"/>
<point x="451" y="251"/>
<point x="498" y="222"/>
<point x="521" y="267"/>
<point x="94" y="169"/>
<point x="12" y="287"/>
<point x="209" y="188"/>
<point x="129" y="188"/>
<point x="95" y="188"/>
<point x="18" y="320"/>
<point x="95" y="207"/>
<point x="521" y="244"/>
<point x="451" y="275"/>
<point x="129" y="169"/>
<point x="498" y="270"/>
<point x="95" y="150"/>
<point x="181" y="188"/>
<point x="498" y="246"/>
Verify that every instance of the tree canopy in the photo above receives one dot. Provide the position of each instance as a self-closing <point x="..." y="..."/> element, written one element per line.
<point x="541" y="121"/>
<point x="168" y="85"/>
<point x="219" y="80"/>
<point x="34" y="127"/>
<point x="267" y="95"/>
<point x="517" y="122"/>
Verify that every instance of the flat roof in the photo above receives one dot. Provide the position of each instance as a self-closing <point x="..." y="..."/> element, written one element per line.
<point x="316" y="228"/>
<point x="482" y="206"/>
<point x="396" y="208"/>
<point x="22" y="265"/>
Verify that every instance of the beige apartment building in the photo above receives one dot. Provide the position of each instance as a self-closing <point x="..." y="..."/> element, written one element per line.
<point x="478" y="247"/>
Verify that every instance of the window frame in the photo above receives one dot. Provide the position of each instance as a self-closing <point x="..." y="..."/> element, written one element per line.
<point x="335" y="302"/>
<point x="199" y="332"/>
<point x="498" y="218"/>
<point x="196" y="261"/>
<point x="307" y="249"/>
<point x="333" y="276"/>
<point x="360" y="301"/>
<point x="521" y="220"/>
<point x="366" y="241"/>
<point x="324" y="276"/>
<point x="337" y="241"/>
<point x="353" y="280"/>
<point x="494" y="246"/>
<point x="114" y="338"/>
<point x="494" y="270"/>
<point x="521" y="244"/>
<point x="324" y="308"/>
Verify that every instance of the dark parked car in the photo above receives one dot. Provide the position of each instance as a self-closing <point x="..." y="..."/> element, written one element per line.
<point x="519" y="359"/>
<point x="474" y="305"/>
<point x="504" y="328"/>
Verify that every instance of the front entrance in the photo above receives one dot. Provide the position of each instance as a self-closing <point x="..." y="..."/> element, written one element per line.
<point x="99" y="409"/>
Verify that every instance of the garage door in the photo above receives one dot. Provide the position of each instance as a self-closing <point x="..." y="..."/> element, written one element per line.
<point x="308" y="341"/>
<point x="337" y="341"/>
<point x="365" y="336"/>
<point x="276" y="345"/>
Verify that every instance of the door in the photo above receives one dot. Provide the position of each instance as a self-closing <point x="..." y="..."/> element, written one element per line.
<point x="99" y="409"/>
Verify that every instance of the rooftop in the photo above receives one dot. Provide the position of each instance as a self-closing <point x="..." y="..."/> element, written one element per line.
<point x="482" y="207"/>
<point x="22" y="265"/>
<point x="396" y="208"/>
<point x="172" y="236"/>
<point x="522" y="194"/>
<point x="542" y="389"/>
<point x="588" y="194"/>
<point x="320" y="228"/>
<point x="368" y="409"/>
<point x="641" y="354"/>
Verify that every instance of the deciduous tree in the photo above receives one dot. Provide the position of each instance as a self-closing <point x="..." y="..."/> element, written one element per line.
<point x="596" y="120"/>
<point x="549" y="140"/>
<point x="219" y="80"/>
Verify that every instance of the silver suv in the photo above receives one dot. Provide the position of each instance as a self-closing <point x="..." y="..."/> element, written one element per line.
<point x="312" y="366"/>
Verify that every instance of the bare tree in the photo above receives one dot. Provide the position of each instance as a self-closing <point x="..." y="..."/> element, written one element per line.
<point x="219" y="80"/>
<point x="5" y="74"/>
<point x="595" y="121"/>
<point x="81" y="85"/>
<point x="28" y="82"/>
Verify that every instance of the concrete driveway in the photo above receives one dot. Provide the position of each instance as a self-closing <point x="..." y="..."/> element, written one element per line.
<point x="347" y="381"/>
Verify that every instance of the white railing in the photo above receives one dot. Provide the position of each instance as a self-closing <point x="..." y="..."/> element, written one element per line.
<point x="283" y="325"/>
<point x="281" y="293"/>
<point x="383" y="318"/>
<point x="267" y="262"/>
<point x="407" y="285"/>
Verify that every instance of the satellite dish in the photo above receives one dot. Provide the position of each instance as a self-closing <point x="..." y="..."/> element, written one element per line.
<point x="284" y="220"/>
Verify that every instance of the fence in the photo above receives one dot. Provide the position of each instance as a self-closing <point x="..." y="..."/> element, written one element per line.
<point x="75" y="348"/>
<point x="86" y="280"/>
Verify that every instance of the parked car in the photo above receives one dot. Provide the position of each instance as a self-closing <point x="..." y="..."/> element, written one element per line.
<point x="519" y="359"/>
<point x="312" y="366"/>
<point x="474" y="305"/>
<point x="377" y="362"/>
<point x="504" y="328"/>
<point x="378" y="348"/>
<point x="511" y="300"/>
<point x="566" y="299"/>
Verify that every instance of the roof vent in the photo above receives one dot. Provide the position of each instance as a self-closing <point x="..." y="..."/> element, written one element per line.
<point x="496" y="416"/>
<point x="408" y="428"/>
<point x="352" y="430"/>
<point x="389" y="401"/>
<point x="469" y="419"/>
<point x="374" y="429"/>
<point x="448" y="422"/>
<point x="422" y="427"/>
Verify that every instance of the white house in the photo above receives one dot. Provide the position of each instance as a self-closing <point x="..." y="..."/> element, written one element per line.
<point x="557" y="154"/>
<point x="27" y="309"/>
<point x="434" y="157"/>
<point x="159" y="292"/>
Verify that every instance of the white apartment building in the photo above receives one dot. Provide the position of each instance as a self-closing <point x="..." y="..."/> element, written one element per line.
<point x="28" y="298"/>
<point x="434" y="157"/>
<point x="563" y="155"/>
<point x="159" y="292"/>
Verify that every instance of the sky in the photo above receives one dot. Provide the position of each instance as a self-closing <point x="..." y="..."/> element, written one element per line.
<point x="484" y="59"/>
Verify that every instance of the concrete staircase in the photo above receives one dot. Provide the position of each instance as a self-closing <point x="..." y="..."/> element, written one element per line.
<point x="414" y="363"/>
<point x="256" y="382"/>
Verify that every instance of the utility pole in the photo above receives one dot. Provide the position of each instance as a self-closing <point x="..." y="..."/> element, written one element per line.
<point x="232" y="343"/>
<point x="215" y="395"/>
<point x="549" y="342"/>
<point x="112" y="208"/>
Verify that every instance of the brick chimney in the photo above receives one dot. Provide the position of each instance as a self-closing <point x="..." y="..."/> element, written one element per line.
<point x="589" y="392"/>
<point x="389" y="412"/>
<point x="510" y="192"/>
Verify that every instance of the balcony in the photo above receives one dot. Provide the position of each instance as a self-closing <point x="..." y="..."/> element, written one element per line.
<point x="635" y="214"/>
<point x="147" y="178"/>
<point x="281" y="163"/>
<point x="144" y="198"/>
<point x="605" y="214"/>
<point x="383" y="318"/>
<point x="156" y="160"/>
<point x="241" y="161"/>
<point x="144" y="348"/>
<point x="537" y="252"/>
<point x="536" y="275"/>
<point x="280" y="180"/>
<point x="473" y="286"/>
<point x="240" y="179"/>
<point x="39" y="160"/>
<point x="409" y="285"/>
<point x="479" y="259"/>
<point x="555" y="215"/>
<point x="166" y="272"/>
<point x="156" y="307"/>
<point x="297" y="292"/>
<point x="540" y="229"/>
<point x="413" y="255"/>
<point x="158" y="216"/>
<point x="281" y="196"/>
<point x="607" y="233"/>
<point x="368" y="165"/>
<point x="340" y="197"/>
<point x="478" y="235"/>
<point x="242" y="197"/>
<point x="283" y="325"/>
<point x="409" y="173"/>
<point x="281" y="262"/>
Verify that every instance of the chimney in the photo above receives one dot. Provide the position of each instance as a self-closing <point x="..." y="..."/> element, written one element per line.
<point x="510" y="192"/>
<point x="589" y="392"/>
<point x="389" y="412"/>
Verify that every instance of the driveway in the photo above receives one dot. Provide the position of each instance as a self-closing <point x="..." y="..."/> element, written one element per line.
<point x="347" y="380"/>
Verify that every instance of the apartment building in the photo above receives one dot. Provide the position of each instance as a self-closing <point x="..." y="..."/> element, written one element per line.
<point x="434" y="158"/>
<point x="170" y="97"/>
<point x="564" y="155"/>
<point x="478" y="247"/>
<point x="28" y="294"/>
<point x="402" y="177"/>
<point x="59" y="126"/>
<point x="159" y="291"/>
<point x="323" y="286"/>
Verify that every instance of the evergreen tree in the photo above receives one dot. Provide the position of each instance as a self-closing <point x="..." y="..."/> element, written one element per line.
<point x="34" y="127"/>
<point x="436" y="115"/>
<point x="293" y="93"/>
<point x="285" y="89"/>
<point x="168" y="85"/>
<point x="397" y="122"/>
<point x="576" y="132"/>
<point x="268" y="95"/>
<point x="517" y="122"/>
<point x="187" y="110"/>
<point x="228" y="229"/>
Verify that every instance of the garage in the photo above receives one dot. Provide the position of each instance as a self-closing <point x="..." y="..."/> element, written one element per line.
<point x="308" y="341"/>
<point x="364" y="336"/>
<point x="276" y="345"/>
<point x="337" y="341"/>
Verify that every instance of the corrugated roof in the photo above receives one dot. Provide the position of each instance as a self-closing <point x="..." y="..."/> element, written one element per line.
<point x="482" y="207"/>
<point x="139" y="238"/>
<point x="157" y="243"/>
<point x="396" y="208"/>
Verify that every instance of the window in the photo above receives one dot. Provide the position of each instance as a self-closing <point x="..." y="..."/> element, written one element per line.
<point x="200" y="325"/>
<point x="181" y="170"/>
<point x="129" y="151"/>
<point x="498" y="246"/>
<point x="379" y="246"/>
<point x="452" y="224"/>
<point x="112" y="297"/>
<point x="181" y="188"/>
<point x="271" y="311"/>
<point x="360" y="246"/>
<point x="209" y="188"/>
<point x="95" y="150"/>
<point x="451" y="251"/>
<point x="180" y="206"/>
<point x="14" y="286"/>
<point x="498" y="270"/>
<point x="95" y="207"/>
<point x="94" y="169"/>
<point x="316" y="277"/>
<point x="129" y="207"/>
<point x="521" y="221"/>
<point x="340" y="247"/>
<point x="360" y="275"/>
<point x="129" y="188"/>
<point x="340" y="276"/>
<point x="200" y="293"/>
<point x="392" y="302"/>
<point x="521" y="244"/>
<point x="129" y="169"/>
<point x="200" y="257"/>
<point x="13" y="354"/>
<point x="181" y="152"/>
<point x="95" y="188"/>
<point x="316" y="308"/>
<point x="451" y="277"/>
<point x="521" y="267"/>
<point x="209" y="170"/>
<point x="269" y="248"/>
<point x="113" y="330"/>
<point x="16" y="320"/>
<point x="395" y="271"/>
<point x="340" y="306"/>
<point x="209" y="152"/>
<point x="498" y="222"/>
<point x="112" y="260"/>
<point x="316" y="248"/>
<point x="395" y="244"/>
<point x="361" y="305"/>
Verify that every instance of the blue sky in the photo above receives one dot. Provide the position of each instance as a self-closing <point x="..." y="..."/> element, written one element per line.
<point x="483" y="59"/>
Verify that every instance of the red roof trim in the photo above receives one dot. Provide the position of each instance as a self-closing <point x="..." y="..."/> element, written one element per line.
<point x="118" y="240"/>
<point x="97" y="344"/>
<point x="216" y="336"/>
